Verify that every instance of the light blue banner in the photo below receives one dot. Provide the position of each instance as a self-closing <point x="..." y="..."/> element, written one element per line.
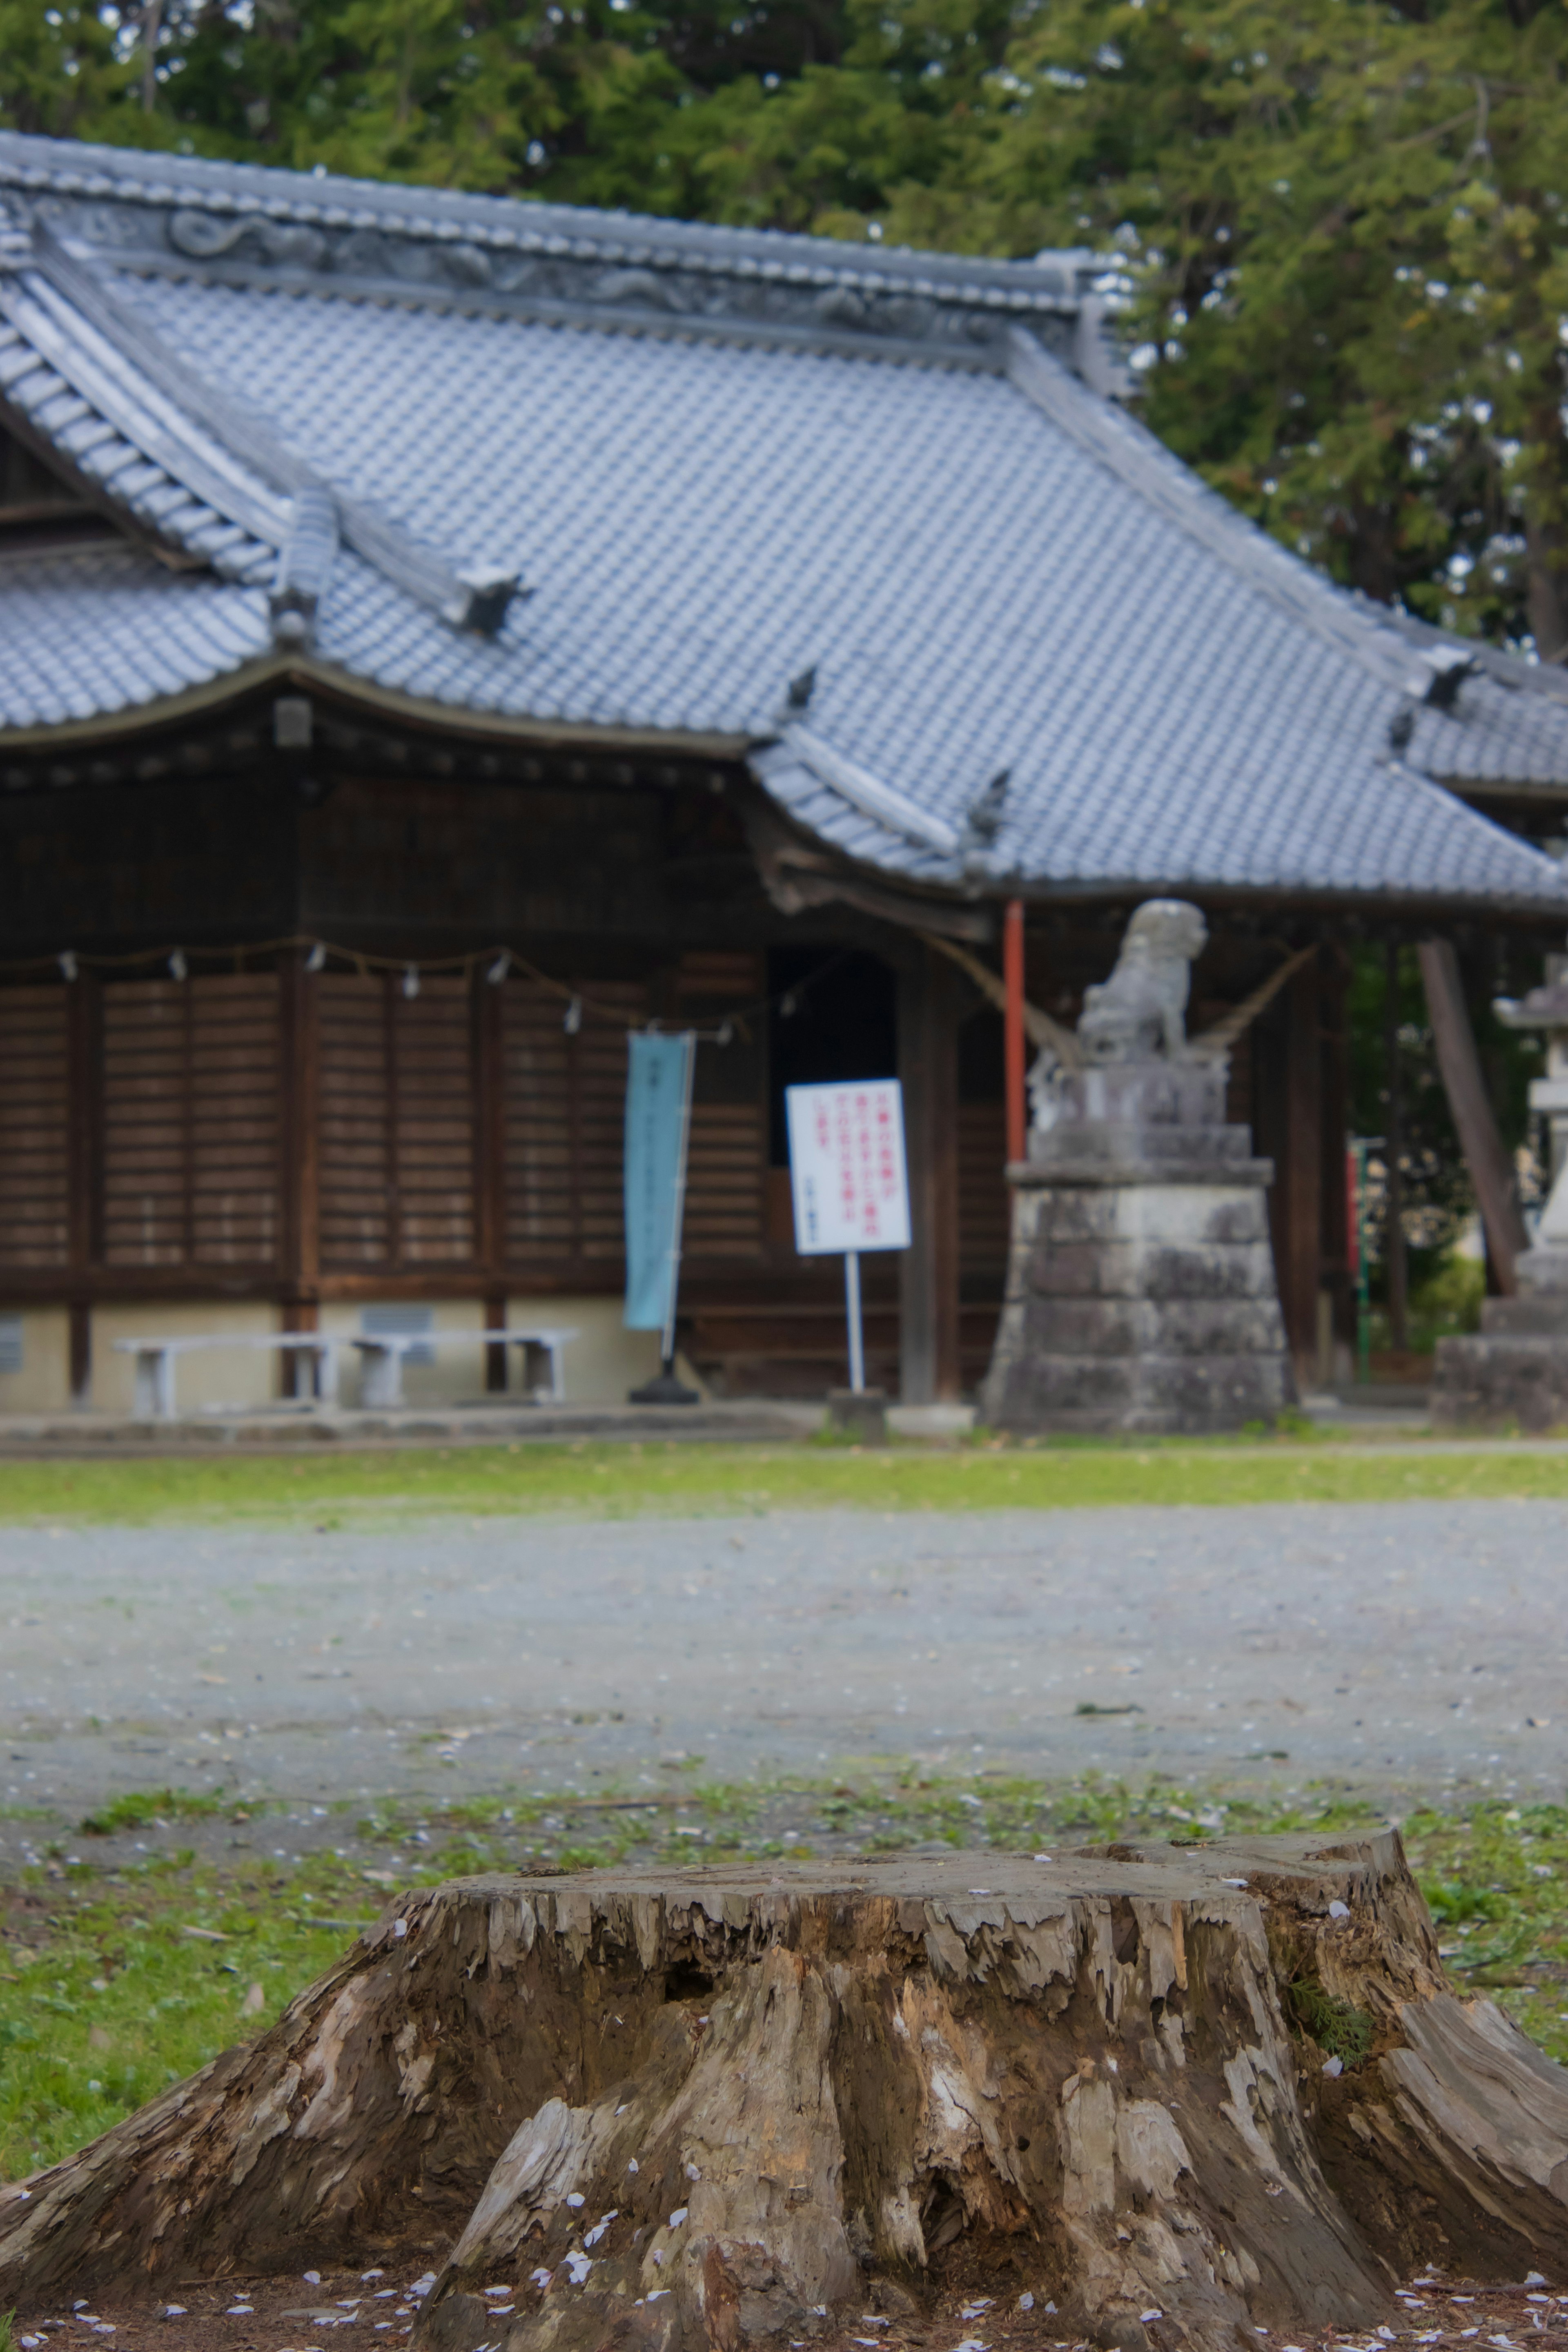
<point x="655" y="1174"/>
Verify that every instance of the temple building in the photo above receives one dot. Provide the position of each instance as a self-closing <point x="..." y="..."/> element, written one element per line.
<point x="440" y="634"/>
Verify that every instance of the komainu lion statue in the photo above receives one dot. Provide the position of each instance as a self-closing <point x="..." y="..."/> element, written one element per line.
<point x="1137" y="1015"/>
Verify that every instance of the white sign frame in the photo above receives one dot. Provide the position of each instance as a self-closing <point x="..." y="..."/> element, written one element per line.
<point x="847" y="1170"/>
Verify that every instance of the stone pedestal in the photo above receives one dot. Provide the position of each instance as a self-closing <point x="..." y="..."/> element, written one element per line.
<point x="1514" y="1371"/>
<point x="861" y="1413"/>
<point x="1141" y="1291"/>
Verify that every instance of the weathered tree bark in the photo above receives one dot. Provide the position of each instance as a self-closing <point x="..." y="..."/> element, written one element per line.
<point x="696" y="2114"/>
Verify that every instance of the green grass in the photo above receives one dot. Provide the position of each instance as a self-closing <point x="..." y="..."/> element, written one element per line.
<point x="141" y="1807"/>
<point x="617" y="1481"/>
<point x="106" y="1996"/>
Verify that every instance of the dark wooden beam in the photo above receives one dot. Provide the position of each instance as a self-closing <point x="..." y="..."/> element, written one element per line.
<point x="1491" y="1171"/>
<point x="1289" y="1124"/>
<point x="1336" y="1296"/>
<point x="391" y="996"/>
<point x="928" y="1288"/>
<point x="1394" y="1252"/>
<point x="84" y="1167"/>
<point x="299" y="1156"/>
<point x="490" y="1163"/>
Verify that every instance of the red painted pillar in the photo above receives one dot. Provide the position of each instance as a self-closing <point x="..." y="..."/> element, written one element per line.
<point x="1013" y="1033"/>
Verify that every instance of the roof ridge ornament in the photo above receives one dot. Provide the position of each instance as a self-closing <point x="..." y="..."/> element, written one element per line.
<point x="304" y="567"/>
<point x="883" y="802"/>
<point x="477" y="597"/>
<point x="244" y="225"/>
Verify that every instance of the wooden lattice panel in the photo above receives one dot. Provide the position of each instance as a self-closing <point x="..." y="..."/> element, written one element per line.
<point x="725" y="1172"/>
<point x="984" y="1210"/>
<point x="564" y="1108"/>
<point x="355" y="1120"/>
<point x="189" y="1172"/>
<point x="434" y="1123"/>
<point x="726" y="1176"/>
<point x="234" y="1119"/>
<point x="35" y="1109"/>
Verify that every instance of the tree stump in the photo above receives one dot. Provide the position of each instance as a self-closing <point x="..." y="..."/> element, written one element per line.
<point x="1185" y="2091"/>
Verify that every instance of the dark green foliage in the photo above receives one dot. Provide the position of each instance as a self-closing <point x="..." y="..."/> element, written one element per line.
<point x="1338" y="2030"/>
<point x="1341" y="230"/>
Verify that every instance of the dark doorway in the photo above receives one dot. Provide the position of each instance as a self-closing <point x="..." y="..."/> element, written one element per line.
<point x="834" y="1015"/>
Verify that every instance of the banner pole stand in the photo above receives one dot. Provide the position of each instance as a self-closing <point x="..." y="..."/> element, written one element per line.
<point x="852" y="1307"/>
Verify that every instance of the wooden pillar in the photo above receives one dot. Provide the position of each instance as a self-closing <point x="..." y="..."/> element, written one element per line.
<point x="298" y="1128"/>
<point x="1013" y="1031"/>
<point x="1393" y="1255"/>
<point x="84" y="1243"/>
<point x="928" y="1272"/>
<point x="1336" y="1294"/>
<point x="1491" y="1171"/>
<point x="1290" y="1127"/>
<point x="489" y="1161"/>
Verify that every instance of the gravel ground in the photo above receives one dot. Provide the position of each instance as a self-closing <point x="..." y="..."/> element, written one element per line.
<point x="1391" y="1647"/>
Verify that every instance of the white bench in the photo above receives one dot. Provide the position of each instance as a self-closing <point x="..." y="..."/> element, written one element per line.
<point x="382" y="1355"/>
<point x="154" y="1396"/>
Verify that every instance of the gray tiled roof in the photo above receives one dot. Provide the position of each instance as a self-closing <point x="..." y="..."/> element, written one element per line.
<point x="714" y="472"/>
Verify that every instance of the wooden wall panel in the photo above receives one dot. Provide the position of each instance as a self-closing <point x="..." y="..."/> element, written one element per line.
<point x="35" y="1113"/>
<point x="538" y="1127"/>
<point x="565" y="1114"/>
<point x="984" y="1207"/>
<point x="357" y="1224"/>
<point x="234" y="1121"/>
<point x="146" y="1112"/>
<point x="725" y="1175"/>
<point x="599" y="1102"/>
<point x="727" y="1164"/>
<point x="189" y="1168"/>
<point x="434" y="1124"/>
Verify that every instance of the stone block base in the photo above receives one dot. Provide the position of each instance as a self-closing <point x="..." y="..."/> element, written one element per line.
<point x="861" y="1413"/>
<point x="1140" y="1296"/>
<point x="1502" y="1380"/>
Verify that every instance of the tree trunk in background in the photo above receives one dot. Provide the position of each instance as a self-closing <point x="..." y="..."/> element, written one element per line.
<point x="1394" y="1146"/>
<point x="1184" y="2092"/>
<point x="1490" y="1168"/>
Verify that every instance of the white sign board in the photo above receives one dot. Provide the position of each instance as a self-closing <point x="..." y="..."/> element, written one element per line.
<point x="846" y="1167"/>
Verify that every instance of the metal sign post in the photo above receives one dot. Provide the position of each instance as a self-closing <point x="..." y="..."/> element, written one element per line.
<point x="677" y="1219"/>
<point x="849" y="1184"/>
<point x="852" y="1310"/>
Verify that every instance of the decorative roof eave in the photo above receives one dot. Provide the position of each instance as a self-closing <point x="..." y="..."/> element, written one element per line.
<point x="802" y="868"/>
<point x="803" y="871"/>
<point x="1383" y="902"/>
<point x="289" y="672"/>
<point x="200" y="437"/>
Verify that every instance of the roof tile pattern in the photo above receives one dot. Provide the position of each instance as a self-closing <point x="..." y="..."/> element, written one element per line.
<point x="106" y="628"/>
<point x="975" y="587"/>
